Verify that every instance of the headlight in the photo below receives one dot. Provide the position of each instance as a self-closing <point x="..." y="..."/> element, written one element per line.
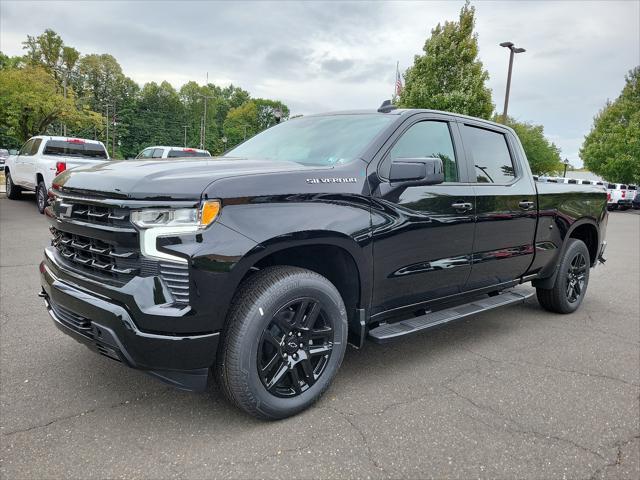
<point x="179" y="217"/>
<point x="166" y="222"/>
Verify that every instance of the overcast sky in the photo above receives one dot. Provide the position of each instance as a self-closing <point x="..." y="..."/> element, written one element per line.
<point x="332" y="56"/>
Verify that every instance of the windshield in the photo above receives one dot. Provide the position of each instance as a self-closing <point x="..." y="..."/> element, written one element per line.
<point x="75" y="148"/>
<point x="329" y="140"/>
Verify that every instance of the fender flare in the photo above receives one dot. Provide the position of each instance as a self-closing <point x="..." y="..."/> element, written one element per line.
<point x="548" y="282"/>
<point x="314" y="238"/>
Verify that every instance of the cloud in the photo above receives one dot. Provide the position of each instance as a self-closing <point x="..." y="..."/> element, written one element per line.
<point x="318" y="56"/>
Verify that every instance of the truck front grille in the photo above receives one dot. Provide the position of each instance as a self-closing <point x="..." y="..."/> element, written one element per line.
<point x="97" y="238"/>
<point x="96" y="256"/>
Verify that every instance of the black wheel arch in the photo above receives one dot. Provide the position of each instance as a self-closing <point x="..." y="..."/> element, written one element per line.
<point x="586" y="229"/>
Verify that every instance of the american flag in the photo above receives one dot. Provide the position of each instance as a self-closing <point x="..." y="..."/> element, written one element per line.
<point x="398" y="80"/>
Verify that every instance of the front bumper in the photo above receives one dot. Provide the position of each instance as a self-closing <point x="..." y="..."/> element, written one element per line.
<point x="107" y="327"/>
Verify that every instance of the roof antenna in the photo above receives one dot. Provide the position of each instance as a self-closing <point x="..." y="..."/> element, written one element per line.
<point x="386" y="107"/>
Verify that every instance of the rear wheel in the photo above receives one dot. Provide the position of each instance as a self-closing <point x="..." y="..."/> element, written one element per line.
<point x="284" y="342"/>
<point x="570" y="286"/>
<point x="13" y="191"/>
<point x="41" y="196"/>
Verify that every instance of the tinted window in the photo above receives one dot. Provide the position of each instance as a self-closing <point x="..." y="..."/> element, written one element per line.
<point x="145" y="153"/>
<point x="572" y="181"/>
<point x="632" y="187"/>
<point x="490" y="155"/>
<point x="157" y="153"/>
<point x="75" y="148"/>
<point x="422" y="140"/>
<point x="187" y="152"/>
<point x="26" y="148"/>
<point x="322" y="140"/>
<point x="36" y="146"/>
<point x="623" y="187"/>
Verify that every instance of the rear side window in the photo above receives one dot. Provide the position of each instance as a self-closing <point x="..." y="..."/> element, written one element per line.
<point x="77" y="148"/>
<point x="572" y="181"/>
<point x="490" y="155"/>
<point x="187" y="152"/>
<point x="423" y="140"/>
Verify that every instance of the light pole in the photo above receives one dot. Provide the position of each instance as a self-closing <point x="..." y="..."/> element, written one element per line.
<point x="513" y="50"/>
<point x="203" y="132"/>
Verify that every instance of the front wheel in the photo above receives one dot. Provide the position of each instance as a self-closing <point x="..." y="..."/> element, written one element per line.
<point x="41" y="196"/>
<point x="285" y="339"/>
<point x="13" y="191"/>
<point x="570" y="286"/>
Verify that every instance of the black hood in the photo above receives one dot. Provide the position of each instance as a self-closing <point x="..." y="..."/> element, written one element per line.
<point x="184" y="178"/>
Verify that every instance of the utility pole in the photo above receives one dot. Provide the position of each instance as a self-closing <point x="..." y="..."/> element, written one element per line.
<point x="107" y="143"/>
<point x="513" y="51"/>
<point x="185" y="135"/>
<point x="203" y="130"/>
<point x="64" y="89"/>
<point x="113" y="140"/>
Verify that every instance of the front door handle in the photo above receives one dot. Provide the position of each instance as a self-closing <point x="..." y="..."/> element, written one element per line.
<point x="526" y="205"/>
<point x="462" y="206"/>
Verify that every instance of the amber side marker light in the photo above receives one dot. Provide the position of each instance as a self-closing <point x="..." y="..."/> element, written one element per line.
<point x="208" y="212"/>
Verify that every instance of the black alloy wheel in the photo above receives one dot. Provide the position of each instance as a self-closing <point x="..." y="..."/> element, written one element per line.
<point x="572" y="278"/>
<point x="295" y="348"/>
<point x="283" y="342"/>
<point x="576" y="277"/>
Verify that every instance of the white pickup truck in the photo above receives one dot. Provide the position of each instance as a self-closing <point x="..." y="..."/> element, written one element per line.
<point x="42" y="158"/>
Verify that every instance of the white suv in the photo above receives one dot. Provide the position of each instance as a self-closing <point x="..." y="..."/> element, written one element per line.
<point x="42" y="158"/>
<point x="171" y="152"/>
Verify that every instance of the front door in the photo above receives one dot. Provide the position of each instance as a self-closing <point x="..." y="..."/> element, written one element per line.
<point x="422" y="235"/>
<point x="506" y="208"/>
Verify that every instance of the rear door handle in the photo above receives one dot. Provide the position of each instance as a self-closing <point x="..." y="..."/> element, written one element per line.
<point x="526" y="205"/>
<point x="462" y="206"/>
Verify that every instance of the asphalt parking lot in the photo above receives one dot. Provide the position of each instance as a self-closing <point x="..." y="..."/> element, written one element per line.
<point x="516" y="392"/>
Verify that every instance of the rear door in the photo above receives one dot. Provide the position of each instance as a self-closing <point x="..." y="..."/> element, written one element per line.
<point x="506" y="205"/>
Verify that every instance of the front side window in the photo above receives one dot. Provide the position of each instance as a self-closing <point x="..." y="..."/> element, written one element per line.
<point x="490" y="154"/>
<point x="428" y="139"/>
<point x="157" y="153"/>
<point x="146" y="153"/>
<point x="26" y="148"/>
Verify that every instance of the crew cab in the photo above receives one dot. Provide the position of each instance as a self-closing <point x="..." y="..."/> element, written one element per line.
<point x="171" y="152"/>
<point x="43" y="157"/>
<point x="261" y="265"/>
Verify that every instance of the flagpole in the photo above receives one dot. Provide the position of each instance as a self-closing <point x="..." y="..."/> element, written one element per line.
<point x="395" y="81"/>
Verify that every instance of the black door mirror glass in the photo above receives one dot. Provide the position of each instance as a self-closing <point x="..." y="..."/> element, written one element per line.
<point x="417" y="171"/>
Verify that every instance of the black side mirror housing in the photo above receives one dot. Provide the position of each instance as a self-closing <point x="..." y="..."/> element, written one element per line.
<point x="417" y="171"/>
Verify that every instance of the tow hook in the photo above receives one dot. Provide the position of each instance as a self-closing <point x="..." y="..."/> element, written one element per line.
<point x="43" y="294"/>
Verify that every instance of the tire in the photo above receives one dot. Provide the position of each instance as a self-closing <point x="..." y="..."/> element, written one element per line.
<point x="572" y="280"/>
<point x="41" y="196"/>
<point x="12" y="190"/>
<point x="269" y="311"/>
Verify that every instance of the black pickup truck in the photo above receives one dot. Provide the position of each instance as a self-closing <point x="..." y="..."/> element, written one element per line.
<point x="261" y="265"/>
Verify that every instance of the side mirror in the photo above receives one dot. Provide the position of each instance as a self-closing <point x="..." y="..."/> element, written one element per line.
<point x="417" y="171"/>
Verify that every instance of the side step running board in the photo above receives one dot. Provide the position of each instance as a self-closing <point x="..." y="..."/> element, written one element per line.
<point x="389" y="331"/>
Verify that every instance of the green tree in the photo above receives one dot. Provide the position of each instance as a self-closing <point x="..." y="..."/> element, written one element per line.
<point x="31" y="102"/>
<point x="449" y="76"/>
<point x="612" y="147"/>
<point x="543" y="155"/>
